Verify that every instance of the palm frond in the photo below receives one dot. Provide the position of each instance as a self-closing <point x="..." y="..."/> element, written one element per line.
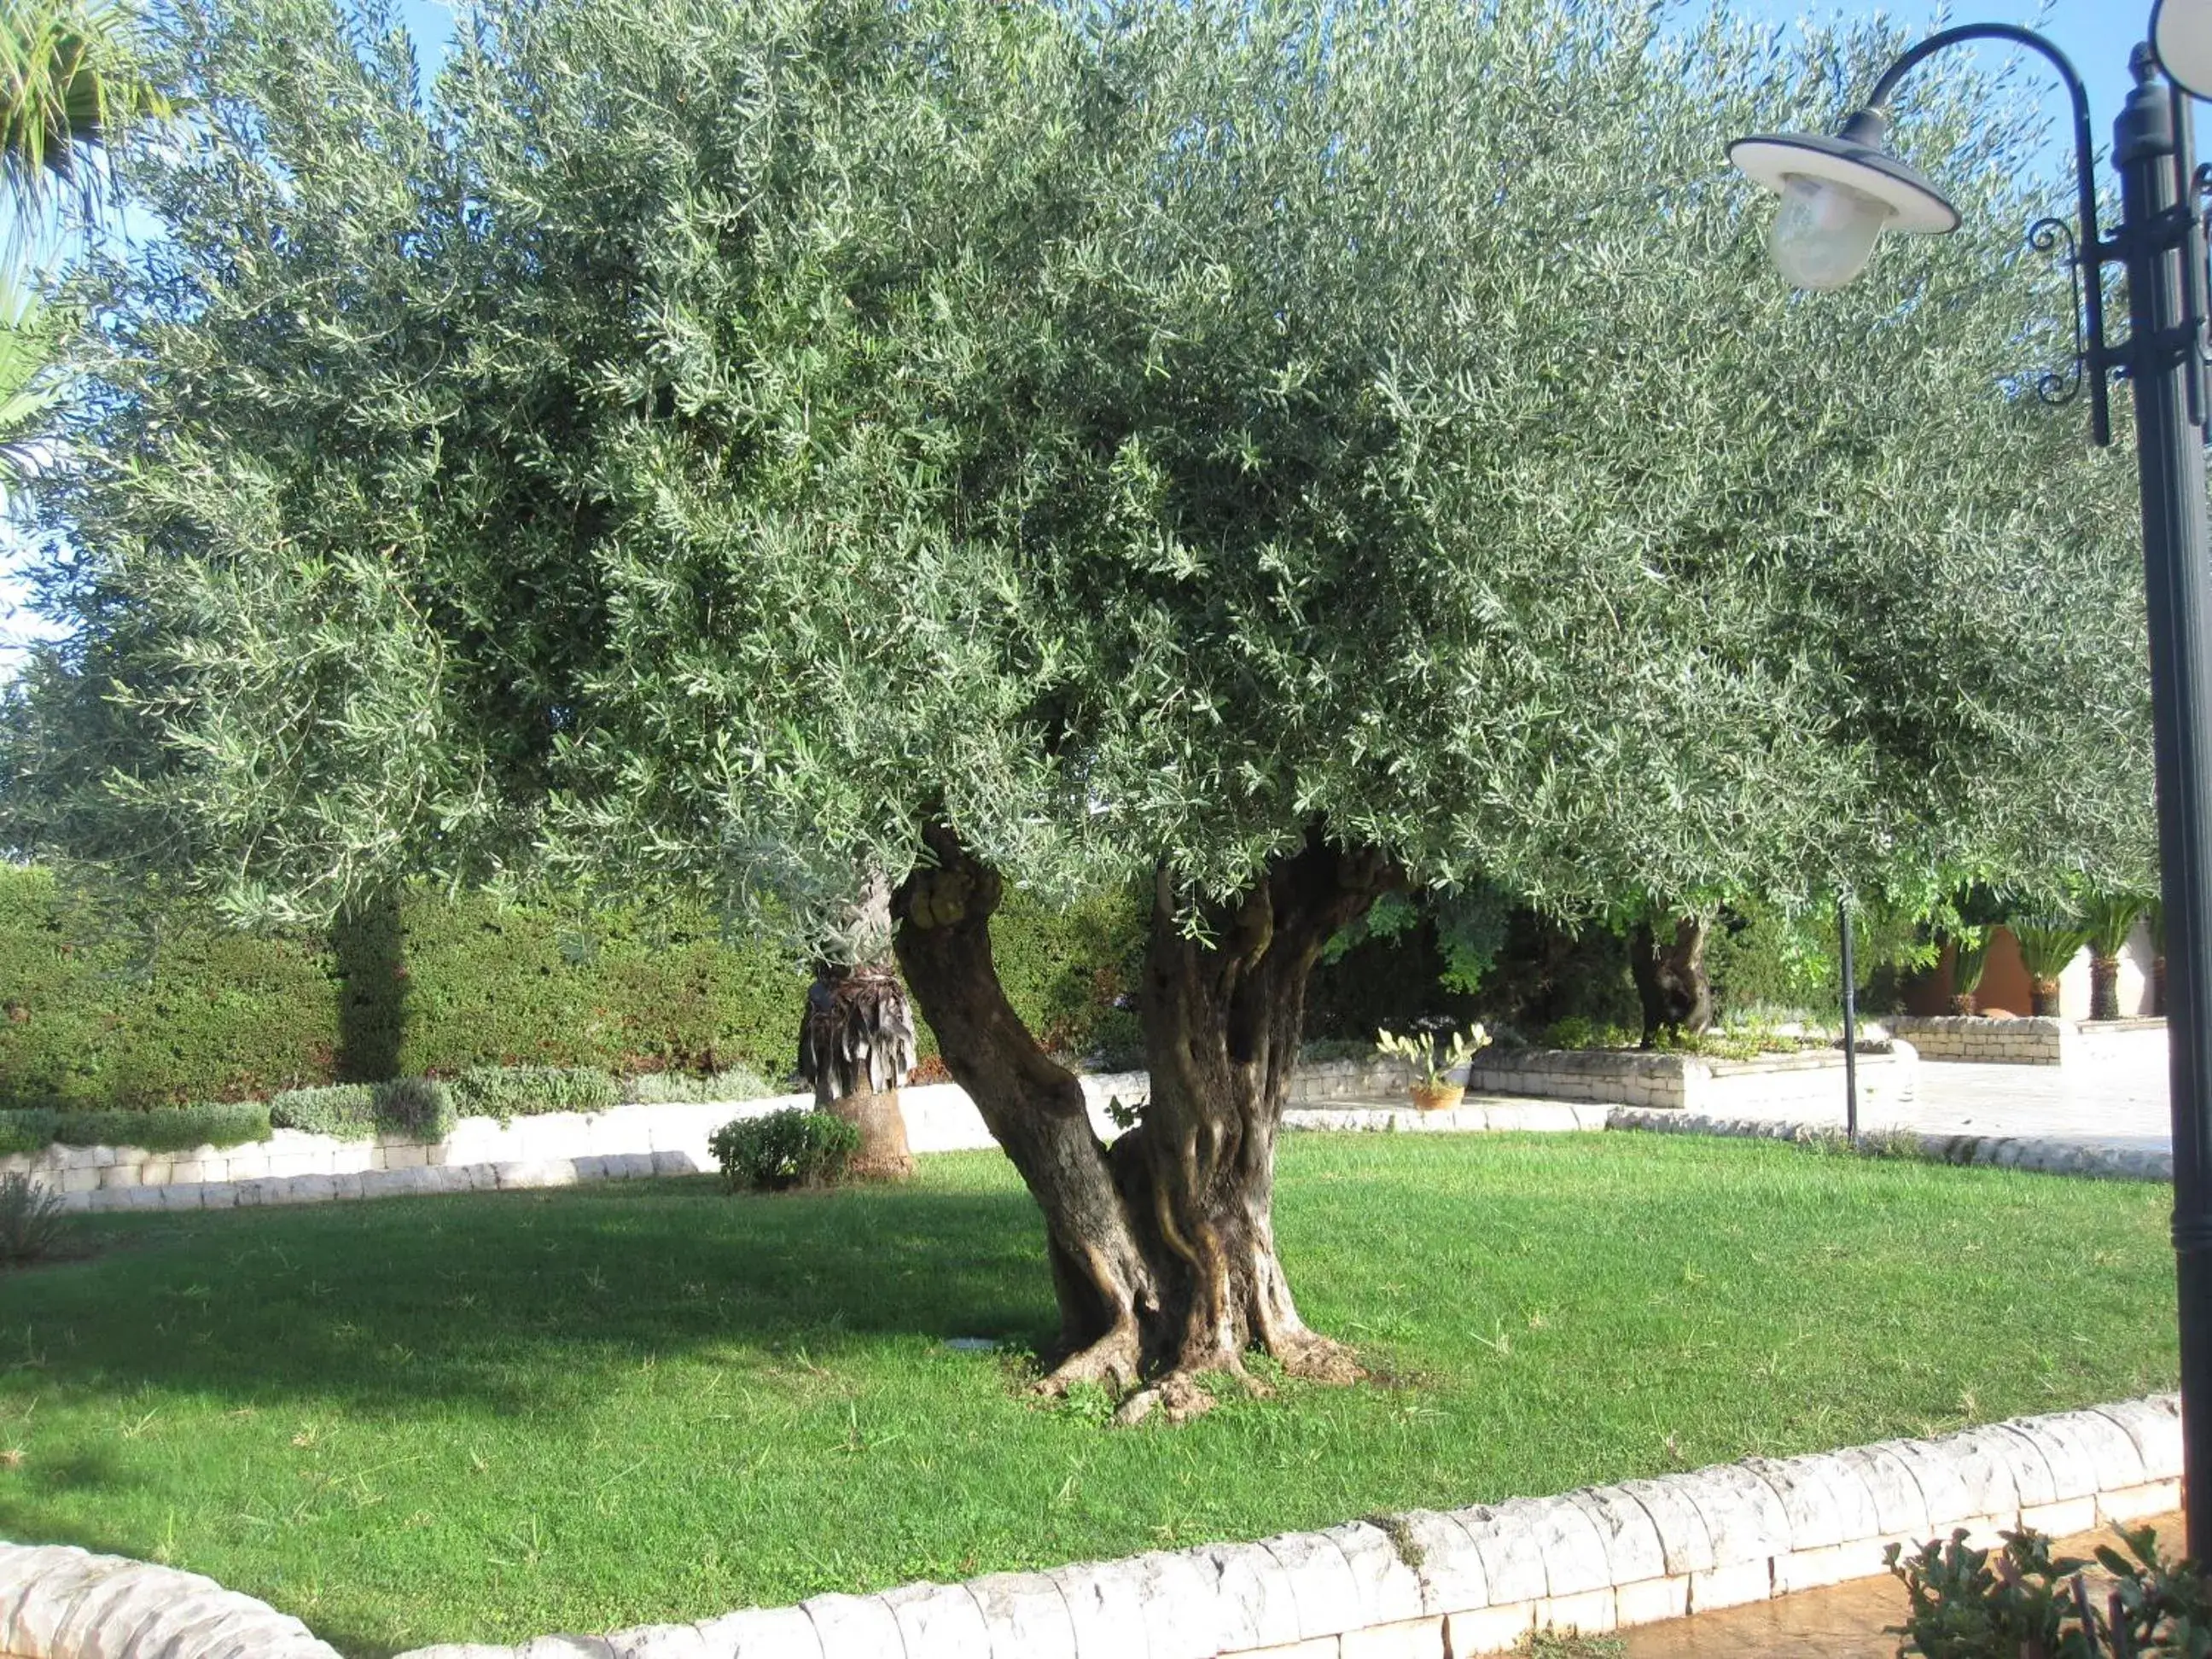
<point x="72" y="80"/>
<point x="2111" y="920"/>
<point x="2047" y="944"/>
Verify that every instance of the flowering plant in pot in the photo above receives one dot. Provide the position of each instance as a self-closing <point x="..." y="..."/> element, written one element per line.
<point x="1432" y="1088"/>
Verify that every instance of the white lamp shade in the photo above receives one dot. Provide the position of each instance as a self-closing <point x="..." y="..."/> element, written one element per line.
<point x="2181" y="30"/>
<point x="1825" y="233"/>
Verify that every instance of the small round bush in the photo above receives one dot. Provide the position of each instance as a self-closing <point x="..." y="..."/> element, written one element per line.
<point x="791" y="1148"/>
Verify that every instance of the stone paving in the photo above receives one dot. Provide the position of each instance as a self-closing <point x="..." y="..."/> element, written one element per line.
<point x="2111" y="1096"/>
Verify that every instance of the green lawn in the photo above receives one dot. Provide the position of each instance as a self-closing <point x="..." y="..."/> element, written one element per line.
<point x="494" y="1416"/>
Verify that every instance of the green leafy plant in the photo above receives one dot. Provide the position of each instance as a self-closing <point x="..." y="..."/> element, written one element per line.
<point x="511" y="1091"/>
<point x="1966" y="1603"/>
<point x="1970" y="959"/>
<point x="782" y="1150"/>
<point x="419" y="1107"/>
<point x="422" y="1106"/>
<point x="32" y="1219"/>
<point x="346" y="1110"/>
<point x="1577" y="1031"/>
<point x="689" y="1089"/>
<point x="2047" y="944"/>
<point x="1429" y="1056"/>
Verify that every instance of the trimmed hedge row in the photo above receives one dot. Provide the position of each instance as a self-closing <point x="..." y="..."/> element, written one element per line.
<point x="103" y="1008"/>
<point x="171" y="1129"/>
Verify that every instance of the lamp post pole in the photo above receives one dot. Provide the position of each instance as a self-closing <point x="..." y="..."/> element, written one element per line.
<point x="1839" y="192"/>
<point x="2163" y="243"/>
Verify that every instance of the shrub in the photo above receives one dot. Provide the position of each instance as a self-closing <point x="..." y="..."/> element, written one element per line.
<point x="687" y="1089"/>
<point x="346" y="1110"/>
<point x="1961" y="1607"/>
<point x="419" y="1106"/>
<point x="167" y="1129"/>
<point x="507" y="1091"/>
<point x="792" y="1148"/>
<point x="32" y="1220"/>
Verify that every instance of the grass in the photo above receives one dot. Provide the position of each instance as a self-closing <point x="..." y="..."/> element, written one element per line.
<point x="488" y="1417"/>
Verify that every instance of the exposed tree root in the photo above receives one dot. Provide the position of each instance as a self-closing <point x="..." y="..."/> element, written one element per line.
<point x="1114" y="1360"/>
<point x="1175" y="1396"/>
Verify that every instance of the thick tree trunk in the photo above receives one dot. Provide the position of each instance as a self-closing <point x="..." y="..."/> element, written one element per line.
<point x="2042" y="997"/>
<point x="2104" y="988"/>
<point x="1162" y="1249"/>
<point x="855" y="1047"/>
<point x="1670" y="978"/>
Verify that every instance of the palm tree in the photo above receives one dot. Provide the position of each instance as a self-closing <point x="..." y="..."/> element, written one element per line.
<point x="72" y="78"/>
<point x="1969" y="956"/>
<point x="2047" y="944"/>
<point x="2109" y="920"/>
<point x="856" y="1037"/>
<point x="71" y="81"/>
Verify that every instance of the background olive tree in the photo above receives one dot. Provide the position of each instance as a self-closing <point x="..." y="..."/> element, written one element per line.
<point x="1279" y="453"/>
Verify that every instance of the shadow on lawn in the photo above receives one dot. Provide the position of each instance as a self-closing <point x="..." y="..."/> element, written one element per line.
<point x="518" y="1299"/>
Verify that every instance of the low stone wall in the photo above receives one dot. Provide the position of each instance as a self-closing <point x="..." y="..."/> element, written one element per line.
<point x="554" y="1149"/>
<point x="1780" y="1084"/>
<point x="1978" y="1040"/>
<point x="1447" y="1585"/>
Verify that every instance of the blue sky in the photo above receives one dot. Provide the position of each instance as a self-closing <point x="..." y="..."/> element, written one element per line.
<point x="2096" y="34"/>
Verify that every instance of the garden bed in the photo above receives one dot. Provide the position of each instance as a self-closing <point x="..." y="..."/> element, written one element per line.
<point x="490" y="1416"/>
<point x="1776" y="1085"/>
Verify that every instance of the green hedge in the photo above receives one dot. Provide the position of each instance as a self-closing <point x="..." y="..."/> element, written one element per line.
<point x="168" y="1129"/>
<point x="100" y="1008"/>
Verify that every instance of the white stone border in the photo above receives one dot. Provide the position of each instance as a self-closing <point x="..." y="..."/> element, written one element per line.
<point x="2045" y="1155"/>
<point x="60" y="1602"/>
<point x="1431" y="1585"/>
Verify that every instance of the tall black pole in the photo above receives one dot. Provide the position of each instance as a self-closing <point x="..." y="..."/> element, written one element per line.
<point x="1850" y="1023"/>
<point x="2160" y="237"/>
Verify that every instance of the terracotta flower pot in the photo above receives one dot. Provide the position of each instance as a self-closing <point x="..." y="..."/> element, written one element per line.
<point x="1436" y="1097"/>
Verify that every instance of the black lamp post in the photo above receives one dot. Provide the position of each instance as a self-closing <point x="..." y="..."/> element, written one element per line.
<point x="1839" y="195"/>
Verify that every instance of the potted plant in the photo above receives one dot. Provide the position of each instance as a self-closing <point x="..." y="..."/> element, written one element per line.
<point x="1970" y="955"/>
<point x="1431" y="1089"/>
<point x="2047" y="944"/>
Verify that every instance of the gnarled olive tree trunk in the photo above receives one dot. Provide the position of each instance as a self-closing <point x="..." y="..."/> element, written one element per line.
<point x="1670" y="977"/>
<point x="1163" y="1248"/>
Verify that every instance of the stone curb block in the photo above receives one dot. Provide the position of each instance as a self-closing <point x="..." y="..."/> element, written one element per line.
<point x="60" y="1602"/>
<point x="1424" y="1583"/>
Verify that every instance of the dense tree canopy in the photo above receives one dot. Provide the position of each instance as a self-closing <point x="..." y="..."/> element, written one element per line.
<point x="694" y="442"/>
<point x="1293" y="448"/>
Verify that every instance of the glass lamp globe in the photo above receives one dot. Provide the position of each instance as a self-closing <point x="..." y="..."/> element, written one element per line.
<point x="1825" y="233"/>
<point x="2181" y="30"/>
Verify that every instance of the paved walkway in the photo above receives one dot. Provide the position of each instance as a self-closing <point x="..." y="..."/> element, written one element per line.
<point x="2111" y="1096"/>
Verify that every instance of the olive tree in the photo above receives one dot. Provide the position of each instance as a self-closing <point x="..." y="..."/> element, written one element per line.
<point x="1275" y="453"/>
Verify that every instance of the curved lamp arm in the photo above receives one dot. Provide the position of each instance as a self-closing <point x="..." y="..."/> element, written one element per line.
<point x="2091" y="252"/>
